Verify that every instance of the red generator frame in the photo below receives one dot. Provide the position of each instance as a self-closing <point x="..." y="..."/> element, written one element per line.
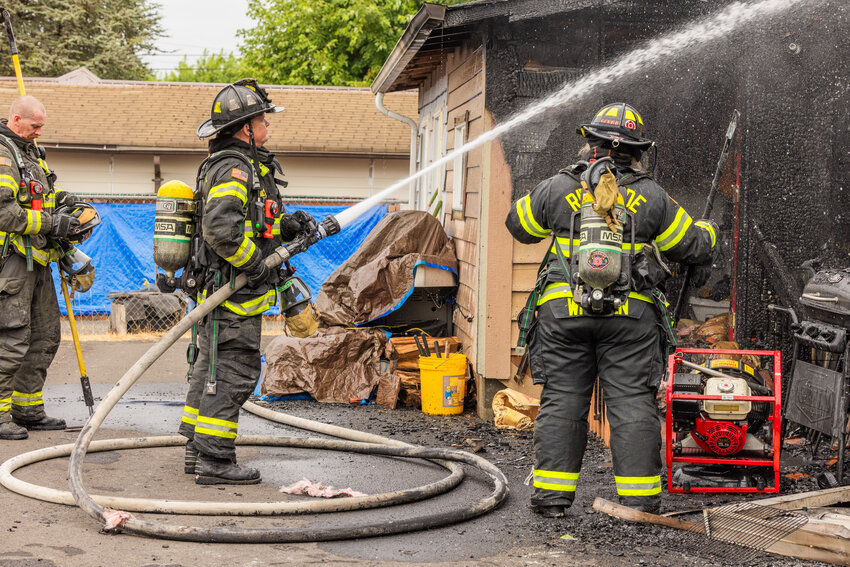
<point x="674" y="361"/>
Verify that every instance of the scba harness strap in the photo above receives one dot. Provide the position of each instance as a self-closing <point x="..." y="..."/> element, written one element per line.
<point x="30" y="192"/>
<point x="201" y="257"/>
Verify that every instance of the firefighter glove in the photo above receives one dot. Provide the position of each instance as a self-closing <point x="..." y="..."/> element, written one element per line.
<point x="701" y="274"/>
<point x="289" y="227"/>
<point x="83" y="282"/>
<point x="258" y="275"/>
<point x="307" y="222"/>
<point x="62" y="225"/>
<point x="64" y="198"/>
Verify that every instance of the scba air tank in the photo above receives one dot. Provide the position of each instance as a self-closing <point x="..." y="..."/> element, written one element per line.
<point x="600" y="251"/>
<point x="173" y="226"/>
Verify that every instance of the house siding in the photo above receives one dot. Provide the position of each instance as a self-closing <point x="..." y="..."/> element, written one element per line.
<point x="101" y="173"/>
<point x="465" y="103"/>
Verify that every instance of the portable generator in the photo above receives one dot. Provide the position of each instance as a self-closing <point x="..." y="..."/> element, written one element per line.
<point x="723" y="422"/>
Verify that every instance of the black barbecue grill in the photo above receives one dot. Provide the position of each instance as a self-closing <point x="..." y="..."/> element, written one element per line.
<point x="816" y="397"/>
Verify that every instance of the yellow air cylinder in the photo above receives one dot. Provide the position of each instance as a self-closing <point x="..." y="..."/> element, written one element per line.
<point x="173" y="226"/>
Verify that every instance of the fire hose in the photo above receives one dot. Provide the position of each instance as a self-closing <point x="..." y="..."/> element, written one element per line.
<point x="96" y="506"/>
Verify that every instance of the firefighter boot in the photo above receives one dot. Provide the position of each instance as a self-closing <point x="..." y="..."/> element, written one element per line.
<point x="190" y="461"/>
<point x="550" y="511"/>
<point x="11" y="431"/>
<point x="43" y="424"/>
<point x="211" y="470"/>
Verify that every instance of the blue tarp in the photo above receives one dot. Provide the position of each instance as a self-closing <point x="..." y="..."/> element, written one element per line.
<point x="122" y="251"/>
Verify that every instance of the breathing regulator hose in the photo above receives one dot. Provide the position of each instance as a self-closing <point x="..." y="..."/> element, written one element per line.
<point x="365" y="443"/>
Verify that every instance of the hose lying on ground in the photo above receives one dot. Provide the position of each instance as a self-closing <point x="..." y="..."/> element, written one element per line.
<point x="378" y="445"/>
<point x="212" y="508"/>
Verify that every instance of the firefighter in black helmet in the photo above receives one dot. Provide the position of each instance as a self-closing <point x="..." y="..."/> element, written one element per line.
<point x="242" y="222"/>
<point x="33" y="218"/>
<point x="570" y="344"/>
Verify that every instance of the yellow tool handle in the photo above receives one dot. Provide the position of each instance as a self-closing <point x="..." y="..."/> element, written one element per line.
<point x="84" y="379"/>
<point x="17" y="65"/>
<point x="73" y="323"/>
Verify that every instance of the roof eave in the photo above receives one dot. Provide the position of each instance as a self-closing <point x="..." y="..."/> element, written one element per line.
<point x="426" y="20"/>
<point x="155" y="150"/>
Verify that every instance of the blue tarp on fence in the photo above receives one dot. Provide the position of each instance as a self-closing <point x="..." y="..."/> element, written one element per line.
<point x="122" y="251"/>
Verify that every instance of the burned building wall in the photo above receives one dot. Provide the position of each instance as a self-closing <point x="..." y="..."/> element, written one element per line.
<point x="786" y="141"/>
<point x="796" y="157"/>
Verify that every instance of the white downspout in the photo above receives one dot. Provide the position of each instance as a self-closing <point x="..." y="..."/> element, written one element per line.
<point x="414" y="130"/>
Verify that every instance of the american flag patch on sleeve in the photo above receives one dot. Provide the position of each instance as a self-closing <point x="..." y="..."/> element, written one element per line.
<point x="239" y="174"/>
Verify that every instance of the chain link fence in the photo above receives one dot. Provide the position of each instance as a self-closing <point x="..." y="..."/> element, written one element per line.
<point x="139" y="315"/>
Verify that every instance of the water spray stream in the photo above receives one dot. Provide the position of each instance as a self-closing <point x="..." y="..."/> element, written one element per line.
<point x="697" y="34"/>
<point x="700" y="33"/>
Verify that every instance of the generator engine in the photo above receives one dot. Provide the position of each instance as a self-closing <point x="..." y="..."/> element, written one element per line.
<point x="715" y="425"/>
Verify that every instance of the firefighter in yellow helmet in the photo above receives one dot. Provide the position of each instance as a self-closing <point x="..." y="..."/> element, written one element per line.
<point x="31" y="225"/>
<point x="577" y="330"/>
<point x="242" y="222"/>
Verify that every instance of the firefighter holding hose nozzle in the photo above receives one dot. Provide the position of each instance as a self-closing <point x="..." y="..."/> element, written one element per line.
<point x="597" y="310"/>
<point x="232" y="220"/>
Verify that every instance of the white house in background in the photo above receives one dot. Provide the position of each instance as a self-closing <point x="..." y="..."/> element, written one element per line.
<point x="117" y="139"/>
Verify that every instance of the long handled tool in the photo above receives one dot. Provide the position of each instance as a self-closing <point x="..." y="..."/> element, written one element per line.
<point x="706" y="213"/>
<point x="84" y="379"/>
<point x="13" y="46"/>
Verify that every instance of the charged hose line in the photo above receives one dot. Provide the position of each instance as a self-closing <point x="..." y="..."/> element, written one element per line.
<point x="278" y="535"/>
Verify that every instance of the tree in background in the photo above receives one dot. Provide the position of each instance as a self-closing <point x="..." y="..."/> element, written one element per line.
<point x="106" y="36"/>
<point x="210" y="68"/>
<point x="324" y="42"/>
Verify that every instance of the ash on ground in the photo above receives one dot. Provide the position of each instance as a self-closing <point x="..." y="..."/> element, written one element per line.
<point x="590" y="536"/>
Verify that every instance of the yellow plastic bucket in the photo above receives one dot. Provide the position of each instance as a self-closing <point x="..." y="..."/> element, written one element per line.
<point x="443" y="384"/>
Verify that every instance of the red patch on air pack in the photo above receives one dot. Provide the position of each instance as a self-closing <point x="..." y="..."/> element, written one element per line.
<point x="630" y="124"/>
<point x="239" y="174"/>
<point x="597" y="260"/>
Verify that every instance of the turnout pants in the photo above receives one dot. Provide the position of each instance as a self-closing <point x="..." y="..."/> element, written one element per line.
<point x="29" y="337"/>
<point x="230" y="347"/>
<point x="567" y="354"/>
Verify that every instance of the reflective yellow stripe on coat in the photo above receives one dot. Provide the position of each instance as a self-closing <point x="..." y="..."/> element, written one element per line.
<point x="562" y="290"/>
<point x="8" y="182"/>
<point x="527" y="220"/>
<point x="230" y="188"/>
<point x="674" y="233"/>
<point x="243" y="254"/>
<point x="249" y="308"/>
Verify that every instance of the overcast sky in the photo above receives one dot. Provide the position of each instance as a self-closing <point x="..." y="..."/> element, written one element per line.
<point x="194" y="25"/>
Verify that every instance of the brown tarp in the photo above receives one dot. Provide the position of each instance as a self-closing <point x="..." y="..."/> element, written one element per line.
<point x="334" y="365"/>
<point x="378" y="276"/>
<point x="338" y="363"/>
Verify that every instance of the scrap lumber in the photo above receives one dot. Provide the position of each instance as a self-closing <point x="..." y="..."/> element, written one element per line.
<point x="403" y="350"/>
<point x="410" y="394"/>
<point x="806" y="543"/>
<point x="388" y="389"/>
<point x="814" y="499"/>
